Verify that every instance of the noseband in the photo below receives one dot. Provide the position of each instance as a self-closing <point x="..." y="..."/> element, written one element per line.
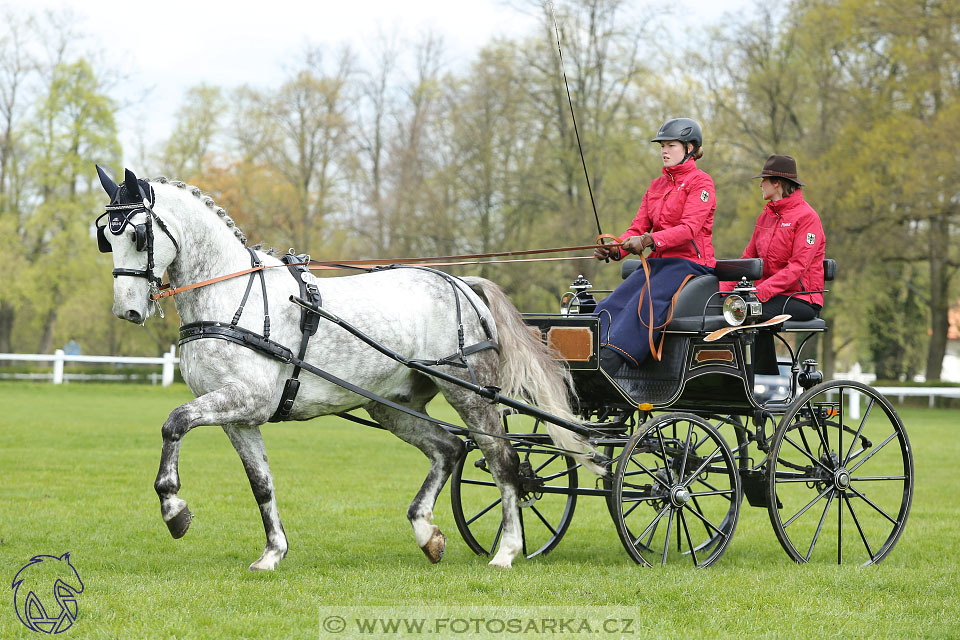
<point x="119" y="215"/>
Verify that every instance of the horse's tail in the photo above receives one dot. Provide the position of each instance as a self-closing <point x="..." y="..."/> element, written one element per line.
<point x="530" y="372"/>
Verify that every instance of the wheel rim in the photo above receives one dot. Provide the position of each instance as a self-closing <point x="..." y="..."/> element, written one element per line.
<point x="841" y="486"/>
<point x="677" y="492"/>
<point x="544" y="516"/>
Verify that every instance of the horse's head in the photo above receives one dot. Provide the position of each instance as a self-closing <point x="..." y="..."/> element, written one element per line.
<point x="140" y="253"/>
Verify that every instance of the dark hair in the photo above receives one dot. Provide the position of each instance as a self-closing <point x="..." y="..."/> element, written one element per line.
<point x="787" y="186"/>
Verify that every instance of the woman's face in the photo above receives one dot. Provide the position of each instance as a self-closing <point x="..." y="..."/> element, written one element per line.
<point x="672" y="152"/>
<point x="771" y="189"/>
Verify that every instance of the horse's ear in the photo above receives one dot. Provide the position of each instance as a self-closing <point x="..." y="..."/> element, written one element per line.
<point x="108" y="185"/>
<point x="130" y="180"/>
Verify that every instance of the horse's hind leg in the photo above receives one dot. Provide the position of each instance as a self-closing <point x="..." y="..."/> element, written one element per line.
<point x="503" y="461"/>
<point x="232" y="404"/>
<point x="443" y="450"/>
<point x="249" y="445"/>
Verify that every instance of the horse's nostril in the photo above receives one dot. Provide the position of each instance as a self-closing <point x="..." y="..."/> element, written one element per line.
<point x="133" y="316"/>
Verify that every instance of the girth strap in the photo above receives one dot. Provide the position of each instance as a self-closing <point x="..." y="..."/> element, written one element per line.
<point x="309" y="323"/>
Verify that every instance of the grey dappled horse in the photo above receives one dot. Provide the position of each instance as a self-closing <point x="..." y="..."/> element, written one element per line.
<point x="411" y="311"/>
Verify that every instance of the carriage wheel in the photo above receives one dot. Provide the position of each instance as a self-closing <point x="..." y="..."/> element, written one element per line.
<point x="547" y="499"/>
<point x="677" y="492"/>
<point x="731" y="427"/>
<point x="822" y="460"/>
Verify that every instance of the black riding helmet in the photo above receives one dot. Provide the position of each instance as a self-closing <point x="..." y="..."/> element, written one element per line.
<point x="682" y="129"/>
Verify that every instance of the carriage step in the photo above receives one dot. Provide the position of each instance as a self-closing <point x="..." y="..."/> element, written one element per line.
<point x="755" y="487"/>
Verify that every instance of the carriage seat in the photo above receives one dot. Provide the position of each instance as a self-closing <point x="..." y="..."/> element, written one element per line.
<point x="691" y="313"/>
<point x="817" y="324"/>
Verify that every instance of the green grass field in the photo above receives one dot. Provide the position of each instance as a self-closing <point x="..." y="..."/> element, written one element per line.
<point x="77" y="465"/>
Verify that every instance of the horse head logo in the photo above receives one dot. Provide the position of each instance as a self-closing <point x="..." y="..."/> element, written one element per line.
<point x="45" y="593"/>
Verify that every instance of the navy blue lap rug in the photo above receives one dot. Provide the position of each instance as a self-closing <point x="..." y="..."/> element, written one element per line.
<point x="628" y="335"/>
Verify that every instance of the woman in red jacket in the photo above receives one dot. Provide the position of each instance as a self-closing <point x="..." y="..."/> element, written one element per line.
<point x="789" y="237"/>
<point x="675" y="220"/>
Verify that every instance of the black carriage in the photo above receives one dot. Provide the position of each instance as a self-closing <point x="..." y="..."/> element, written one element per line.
<point x="691" y="435"/>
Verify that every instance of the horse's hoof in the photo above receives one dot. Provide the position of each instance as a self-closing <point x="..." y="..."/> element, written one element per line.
<point x="268" y="561"/>
<point x="179" y="523"/>
<point x="435" y="546"/>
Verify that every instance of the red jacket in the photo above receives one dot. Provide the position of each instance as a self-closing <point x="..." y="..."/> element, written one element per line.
<point x="677" y="210"/>
<point x="789" y="237"/>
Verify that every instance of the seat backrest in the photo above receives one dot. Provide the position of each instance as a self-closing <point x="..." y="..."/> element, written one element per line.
<point x="829" y="269"/>
<point x="749" y="268"/>
<point x="695" y="295"/>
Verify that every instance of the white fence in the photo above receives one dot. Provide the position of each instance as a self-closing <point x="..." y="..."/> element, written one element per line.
<point x="167" y="362"/>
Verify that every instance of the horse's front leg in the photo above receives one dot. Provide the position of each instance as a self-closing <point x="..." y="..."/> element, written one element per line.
<point x="232" y="404"/>
<point x="249" y="445"/>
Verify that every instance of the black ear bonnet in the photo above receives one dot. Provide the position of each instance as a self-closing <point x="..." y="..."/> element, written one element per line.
<point x="127" y="199"/>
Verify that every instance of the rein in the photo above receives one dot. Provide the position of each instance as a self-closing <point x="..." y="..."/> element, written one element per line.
<point x="165" y="290"/>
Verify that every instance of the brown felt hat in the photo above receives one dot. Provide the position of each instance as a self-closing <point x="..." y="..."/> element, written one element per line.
<point x="780" y="167"/>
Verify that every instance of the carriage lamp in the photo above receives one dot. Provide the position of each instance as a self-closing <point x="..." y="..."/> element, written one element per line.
<point x="735" y="310"/>
<point x="579" y="300"/>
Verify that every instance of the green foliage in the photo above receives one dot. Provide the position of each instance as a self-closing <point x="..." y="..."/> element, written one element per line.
<point x="403" y="155"/>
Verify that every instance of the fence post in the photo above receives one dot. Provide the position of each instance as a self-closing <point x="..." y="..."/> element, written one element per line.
<point x="854" y="411"/>
<point x="58" y="367"/>
<point x="167" y="378"/>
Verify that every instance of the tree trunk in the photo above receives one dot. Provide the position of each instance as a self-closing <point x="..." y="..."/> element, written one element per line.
<point x="939" y="294"/>
<point x="46" y="342"/>
<point x="6" y="327"/>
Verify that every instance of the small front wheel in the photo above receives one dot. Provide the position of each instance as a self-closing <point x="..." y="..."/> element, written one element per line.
<point x="548" y="496"/>
<point x="676" y="492"/>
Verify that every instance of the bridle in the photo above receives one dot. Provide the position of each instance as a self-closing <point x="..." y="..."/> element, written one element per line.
<point x="119" y="215"/>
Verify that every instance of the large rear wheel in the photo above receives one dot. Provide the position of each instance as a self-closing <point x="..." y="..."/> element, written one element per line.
<point x="840" y="484"/>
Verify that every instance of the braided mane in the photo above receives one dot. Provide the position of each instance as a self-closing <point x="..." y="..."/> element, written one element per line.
<point x="208" y="201"/>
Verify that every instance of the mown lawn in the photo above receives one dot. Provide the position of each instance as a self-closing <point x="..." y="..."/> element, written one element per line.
<point x="77" y="465"/>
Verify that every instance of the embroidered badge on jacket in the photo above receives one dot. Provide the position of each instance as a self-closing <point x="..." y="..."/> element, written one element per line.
<point x="704" y="196"/>
<point x="811" y="238"/>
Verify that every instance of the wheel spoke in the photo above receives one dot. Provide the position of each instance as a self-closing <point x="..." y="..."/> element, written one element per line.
<point x="874" y="478"/>
<point x="804" y="510"/>
<point x="870" y="502"/>
<point x="686" y="449"/>
<point x="496" y="538"/>
<point x="807" y="453"/>
<point x="821" y="429"/>
<point x="650" y="473"/>
<point x="686" y="531"/>
<point x="863" y="421"/>
<point x="703" y="466"/>
<point x="716" y="492"/>
<point x="705" y="521"/>
<point x="556" y="475"/>
<point x="666" y="540"/>
<point x="713" y="490"/>
<point x="870" y="455"/>
<point x="696" y="503"/>
<point x="663" y="448"/>
<point x="485" y="510"/>
<point x="630" y="510"/>
<point x="652" y="524"/>
<point x="816" y="534"/>
<point x="840" y="523"/>
<point x="543" y="520"/>
<point x="856" y="521"/>
<point x="549" y="460"/>
<point x="479" y="483"/>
